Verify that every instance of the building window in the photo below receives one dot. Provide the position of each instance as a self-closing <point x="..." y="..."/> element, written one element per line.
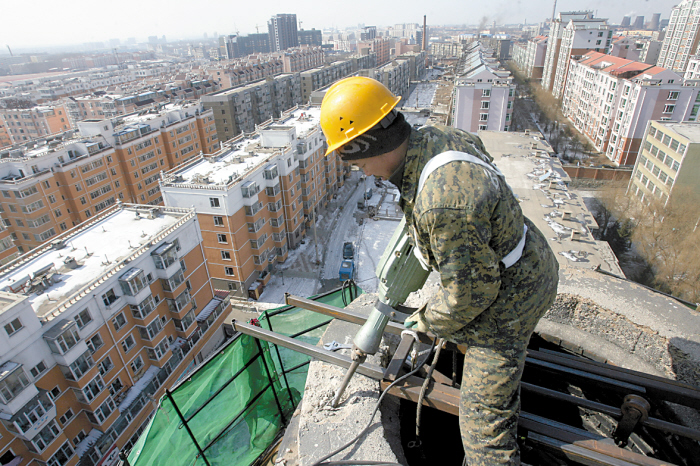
<point x="37" y="370"/>
<point x="486" y="93"/>
<point x="226" y="255"/>
<point x="95" y="343"/>
<point x="229" y="271"/>
<point x="669" y="108"/>
<point x="83" y="318"/>
<point x="218" y="221"/>
<point x="136" y="364"/>
<point x="119" y="321"/>
<point x="13" y="327"/>
<point x="128" y="343"/>
<point x="222" y="238"/>
<point x="485" y="105"/>
<point x="483" y="117"/>
<point x="214" y="202"/>
<point x="673" y="95"/>
<point x="67" y="416"/>
<point x="109" y="297"/>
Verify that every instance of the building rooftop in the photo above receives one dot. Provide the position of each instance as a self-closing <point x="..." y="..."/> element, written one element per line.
<point x="689" y="130"/>
<point x="243" y="154"/>
<point x="540" y="183"/>
<point x="62" y="271"/>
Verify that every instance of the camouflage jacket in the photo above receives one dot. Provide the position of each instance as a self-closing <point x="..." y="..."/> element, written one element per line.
<point x="466" y="220"/>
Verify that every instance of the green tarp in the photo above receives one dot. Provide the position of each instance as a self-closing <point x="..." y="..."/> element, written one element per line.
<point x="233" y="408"/>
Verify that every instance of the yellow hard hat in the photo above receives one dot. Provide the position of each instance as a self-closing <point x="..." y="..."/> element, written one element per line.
<point x="353" y="106"/>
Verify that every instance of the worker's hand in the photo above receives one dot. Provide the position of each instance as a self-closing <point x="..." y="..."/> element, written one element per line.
<point x="417" y="322"/>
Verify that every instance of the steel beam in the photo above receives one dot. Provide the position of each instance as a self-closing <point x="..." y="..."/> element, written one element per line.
<point x="370" y="370"/>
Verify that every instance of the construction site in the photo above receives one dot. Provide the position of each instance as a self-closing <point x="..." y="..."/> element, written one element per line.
<point x="611" y="375"/>
<point x="610" y="378"/>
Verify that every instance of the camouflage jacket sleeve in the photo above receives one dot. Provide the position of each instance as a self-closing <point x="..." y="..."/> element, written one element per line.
<point x="453" y="219"/>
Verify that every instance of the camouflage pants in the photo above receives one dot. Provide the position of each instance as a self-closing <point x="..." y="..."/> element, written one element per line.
<point x="496" y="347"/>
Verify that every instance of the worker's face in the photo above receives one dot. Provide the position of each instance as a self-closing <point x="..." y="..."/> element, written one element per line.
<point x="383" y="166"/>
<point x="376" y="166"/>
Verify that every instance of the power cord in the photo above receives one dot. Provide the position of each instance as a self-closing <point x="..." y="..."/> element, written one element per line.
<point x="369" y="424"/>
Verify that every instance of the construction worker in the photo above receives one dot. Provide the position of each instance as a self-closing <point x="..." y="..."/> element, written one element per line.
<point x="498" y="275"/>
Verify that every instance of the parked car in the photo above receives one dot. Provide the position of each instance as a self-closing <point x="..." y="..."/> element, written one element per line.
<point x="347" y="270"/>
<point x="348" y="251"/>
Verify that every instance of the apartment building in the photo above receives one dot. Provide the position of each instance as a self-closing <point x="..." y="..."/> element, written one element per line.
<point x="668" y="160"/>
<point x="282" y="30"/>
<point x="416" y="64"/>
<point x="579" y="37"/>
<point x="483" y="94"/>
<point x="301" y="59"/>
<point x="95" y="324"/>
<point x="571" y="33"/>
<point x="27" y="124"/>
<point x="323" y="76"/>
<point x="610" y="100"/>
<point x="381" y="46"/>
<point x="62" y="181"/>
<point x="692" y="71"/>
<point x="682" y="36"/>
<point x="529" y="56"/>
<point x="396" y="76"/>
<point x="258" y="196"/>
<point x="239" y="109"/>
<point x="443" y="50"/>
<point x="311" y="36"/>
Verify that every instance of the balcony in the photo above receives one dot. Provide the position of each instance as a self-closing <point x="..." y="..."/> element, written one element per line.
<point x="15" y="389"/>
<point x="65" y="342"/>
<point x="31" y="418"/>
<point x="134" y="286"/>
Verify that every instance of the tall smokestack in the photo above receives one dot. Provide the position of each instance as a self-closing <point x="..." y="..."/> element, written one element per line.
<point x="425" y="30"/>
<point x="554" y="10"/>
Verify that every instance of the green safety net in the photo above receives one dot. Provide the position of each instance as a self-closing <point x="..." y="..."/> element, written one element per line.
<point x="236" y="402"/>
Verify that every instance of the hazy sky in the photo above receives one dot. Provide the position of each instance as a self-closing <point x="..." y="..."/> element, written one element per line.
<point x="49" y="22"/>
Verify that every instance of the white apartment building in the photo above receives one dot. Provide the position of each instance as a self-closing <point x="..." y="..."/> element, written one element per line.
<point x="483" y="94"/>
<point x="94" y="325"/>
<point x="682" y="36"/>
<point x="571" y="33"/>
<point x="610" y="100"/>
<point x="529" y="56"/>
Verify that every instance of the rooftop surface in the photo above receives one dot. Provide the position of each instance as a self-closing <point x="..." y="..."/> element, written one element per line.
<point x="98" y="247"/>
<point x="231" y="162"/>
<point x="540" y="184"/>
<point x="686" y="129"/>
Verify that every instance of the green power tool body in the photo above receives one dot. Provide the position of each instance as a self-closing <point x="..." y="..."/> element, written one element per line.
<point x="399" y="273"/>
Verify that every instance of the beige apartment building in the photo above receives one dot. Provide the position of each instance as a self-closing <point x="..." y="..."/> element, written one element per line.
<point x="258" y="196"/>
<point x="669" y="160"/>
<point x="62" y="181"/>
<point x="94" y="325"/>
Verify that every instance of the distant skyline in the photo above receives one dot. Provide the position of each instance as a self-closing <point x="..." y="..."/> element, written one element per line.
<point x="37" y="23"/>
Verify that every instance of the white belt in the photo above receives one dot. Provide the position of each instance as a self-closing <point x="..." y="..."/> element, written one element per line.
<point x="451" y="156"/>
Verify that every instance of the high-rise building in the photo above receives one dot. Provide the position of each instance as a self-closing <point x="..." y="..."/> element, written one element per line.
<point x="572" y="33"/>
<point x="258" y="197"/>
<point x="682" y="36"/>
<point x="368" y="33"/>
<point x="94" y="325"/>
<point x="312" y="37"/>
<point x="283" y="32"/>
